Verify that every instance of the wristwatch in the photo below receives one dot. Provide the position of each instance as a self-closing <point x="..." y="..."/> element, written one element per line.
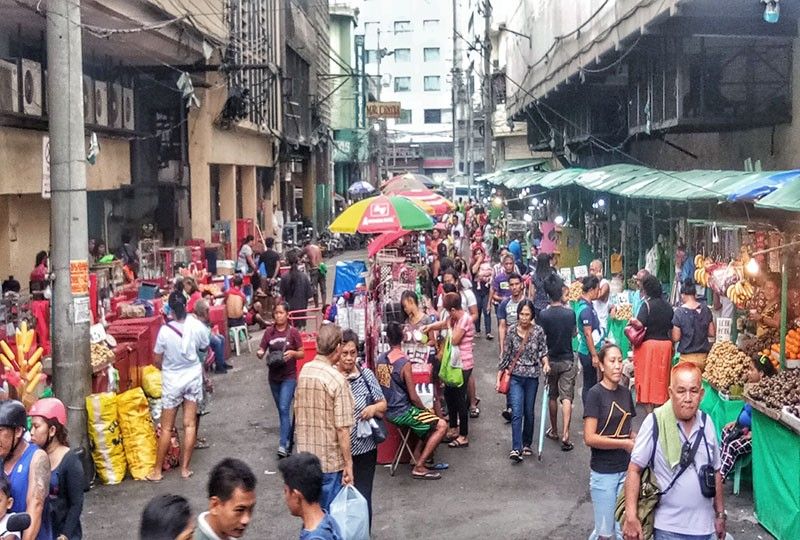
<point x="721" y="515"/>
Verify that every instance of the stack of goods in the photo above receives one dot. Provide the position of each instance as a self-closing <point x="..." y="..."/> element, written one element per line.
<point x="138" y="433"/>
<point x="623" y="311"/>
<point x="782" y="390"/>
<point x="575" y="291"/>
<point x="101" y="356"/>
<point x="726" y="367"/>
<point x="21" y="370"/>
<point x="151" y="384"/>
<point x="761" y="344"/>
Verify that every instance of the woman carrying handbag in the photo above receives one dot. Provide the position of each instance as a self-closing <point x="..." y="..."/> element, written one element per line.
<point x="523" y="358"/>
<point x="652" y="360"/>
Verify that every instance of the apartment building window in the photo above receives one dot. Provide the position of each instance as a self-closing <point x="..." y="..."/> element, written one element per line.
<point x="431" y="54"/>
<point x="402" y="55"/>
<point x="370" y="27"/>
<point x="402" y="84"/>
<point x="433" y="83"/>
<point x="430" y="24"/>
<point x="372" y="56"/>
<point x="433" y="116"/>
<point x="405" y="116"/>
<point x="402" y="26"/>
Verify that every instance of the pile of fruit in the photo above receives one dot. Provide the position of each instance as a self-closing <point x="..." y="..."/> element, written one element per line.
<point x="726" y="365"/>
<point x="740" y="293"/>
<point x="575" y="291"/>
<point x="782" y="389"/>
<point x="761" y="344"/>
<point x="100" y="354"/>
<point x="702" y="273"/>
<point x="623" y="312"/>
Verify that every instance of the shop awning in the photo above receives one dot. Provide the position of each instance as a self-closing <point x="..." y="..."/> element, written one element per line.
<point x="786" y="197"/>
<point x="513" y="172"/>
<point x="636" y="182"/>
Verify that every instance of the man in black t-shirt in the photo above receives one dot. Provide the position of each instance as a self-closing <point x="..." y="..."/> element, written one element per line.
<point x="560" y="327"/>
<point x="271" y="260"/>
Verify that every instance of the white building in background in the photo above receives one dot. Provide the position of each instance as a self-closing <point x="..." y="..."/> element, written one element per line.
<point x="416" y="37"/>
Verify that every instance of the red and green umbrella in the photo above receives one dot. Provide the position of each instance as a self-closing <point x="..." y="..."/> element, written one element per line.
<point x="382" y="214"/>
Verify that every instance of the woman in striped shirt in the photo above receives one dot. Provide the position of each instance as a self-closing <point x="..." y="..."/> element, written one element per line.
<point x="368" y="403"/>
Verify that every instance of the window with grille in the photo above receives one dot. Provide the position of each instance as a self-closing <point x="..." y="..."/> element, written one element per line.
<point x="431" y="54"/>
<point x="432" y="83"/>
<point x="430" y="25"/>
<point x="402" y="26"/>
<point x="405" y="116"/>
<point x="402" y="84"/>
<point x="402" y="55"/>
<point x="372" y="56"/>
<point x="433" y="116"/>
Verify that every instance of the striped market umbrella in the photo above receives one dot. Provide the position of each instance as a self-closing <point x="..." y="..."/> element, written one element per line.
<point x="438" y="205"/>
<point x="382" y="214"/>
<point x="407" y="182"/>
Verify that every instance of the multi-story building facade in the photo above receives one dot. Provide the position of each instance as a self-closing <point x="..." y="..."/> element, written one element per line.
<point x="409" y="50"/>
<point x="672" y="84"/>
<point x="189" y="108"/>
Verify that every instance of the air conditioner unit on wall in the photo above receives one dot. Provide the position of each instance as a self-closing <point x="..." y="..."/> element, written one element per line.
<point x="30" y="85"/>
<point x="115" y="105"/>
<point x="128" y="120"/>
<point x="88" y="100"/>
<point x="101" y="103"/>
<point x="9" y="88"/>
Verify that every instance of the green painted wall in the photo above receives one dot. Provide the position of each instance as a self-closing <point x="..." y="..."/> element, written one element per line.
<point x="342" y="45"/>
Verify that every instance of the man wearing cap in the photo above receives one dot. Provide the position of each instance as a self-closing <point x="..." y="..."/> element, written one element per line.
<point x="27" y="468"/>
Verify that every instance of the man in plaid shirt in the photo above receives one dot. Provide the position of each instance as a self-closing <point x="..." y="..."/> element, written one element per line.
<point x="323" y="413"/>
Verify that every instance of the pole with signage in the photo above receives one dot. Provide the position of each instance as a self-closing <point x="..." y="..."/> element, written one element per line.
<point x="69" y="251"/>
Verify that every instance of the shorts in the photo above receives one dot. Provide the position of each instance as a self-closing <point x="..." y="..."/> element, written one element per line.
<point x="417" y="420"/>
<point x="180" y="386"/>
<point x="561" y="379"/>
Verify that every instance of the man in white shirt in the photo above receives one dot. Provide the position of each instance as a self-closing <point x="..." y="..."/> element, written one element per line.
<point x="601" y="304"/>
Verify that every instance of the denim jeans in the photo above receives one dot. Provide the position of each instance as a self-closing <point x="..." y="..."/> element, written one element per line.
<point x="589" y="375"/>
<point x="331" y="486"/>
<point x="484" y="311"/>
<point x="605" y="488"/>
<point x="217" y="344"/>
<point x="522" y="395"/>
<point x="666" y="535"/>
<point x="283" y="394"/>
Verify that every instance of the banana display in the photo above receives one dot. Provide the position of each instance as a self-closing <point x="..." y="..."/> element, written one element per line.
<point x="701" y="275"/>
<point x="740" y="293"/>
<point x="21" y="369"/>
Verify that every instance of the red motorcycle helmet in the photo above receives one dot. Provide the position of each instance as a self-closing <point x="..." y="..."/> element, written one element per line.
<point x="50" y="409"/>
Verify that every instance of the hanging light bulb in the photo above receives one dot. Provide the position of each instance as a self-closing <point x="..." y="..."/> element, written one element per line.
<point x="498" y="201"/>
<point x="772" y="11"/>
<point x="752" y="267"/>
<point x="535" y="201"/>
<point x="559" y="220"/>
<point x="601" y="203"/>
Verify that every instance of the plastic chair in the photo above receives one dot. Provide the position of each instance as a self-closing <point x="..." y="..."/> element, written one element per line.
<point x="742" y="463"/>
<point x="239" y="334"/>
<point x="405" y="434"/>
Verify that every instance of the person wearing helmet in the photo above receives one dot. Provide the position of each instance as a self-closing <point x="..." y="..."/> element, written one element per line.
<point x="27" y="468"/>
<point x="49" y="432"/>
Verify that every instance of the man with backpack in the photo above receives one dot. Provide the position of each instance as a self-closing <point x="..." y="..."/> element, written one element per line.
<point x="678" y="444"/>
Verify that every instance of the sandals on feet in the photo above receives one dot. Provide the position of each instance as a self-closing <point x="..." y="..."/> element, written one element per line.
<point x="515" y="456"/>
<point x="474" y="413"/>
<point x="426" y="476"/>
<point x="527" y="451"/>
<point x="455" y="443"/>
<point x="566" y="446"/>
<point x="552" y="435"/>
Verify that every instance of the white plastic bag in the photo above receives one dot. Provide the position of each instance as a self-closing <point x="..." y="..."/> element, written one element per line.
<point x="363" y="430"/>
<point x="349" y="509"/>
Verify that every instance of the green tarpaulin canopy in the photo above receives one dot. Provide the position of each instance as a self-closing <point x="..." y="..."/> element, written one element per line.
<point x="786" y="197"/>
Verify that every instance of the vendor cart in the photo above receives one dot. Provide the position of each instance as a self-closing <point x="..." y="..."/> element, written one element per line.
<point x="300" y="319"/>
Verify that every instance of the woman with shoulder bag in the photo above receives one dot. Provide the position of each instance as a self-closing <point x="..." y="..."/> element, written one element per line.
<point x="693" y="324"/>
<point x="283" y="346"/>
<point x="368" y="404"/>
<point x="652" y="360"/>
<point x="524" y="356"/>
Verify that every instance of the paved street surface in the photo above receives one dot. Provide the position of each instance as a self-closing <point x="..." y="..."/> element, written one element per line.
<point x="482" y="495"/>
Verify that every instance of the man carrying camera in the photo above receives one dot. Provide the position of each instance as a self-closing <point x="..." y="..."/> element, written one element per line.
<point x="686" y="465"/>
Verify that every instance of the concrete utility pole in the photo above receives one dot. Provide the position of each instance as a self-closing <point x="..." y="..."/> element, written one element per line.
<point x="488" y="107"/>
<point x="470" y="128"/>
<point x="456" y="89"/>
<point x="69" y="252"/>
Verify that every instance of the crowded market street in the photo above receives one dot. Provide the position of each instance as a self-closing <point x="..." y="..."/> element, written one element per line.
<point x="482" y="496"/>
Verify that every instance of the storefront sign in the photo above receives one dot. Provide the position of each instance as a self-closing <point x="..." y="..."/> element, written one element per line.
<point x="45" y="167"/>
<point x="79" y="277"/>
<point x="581" y="271"/>
<point x="383" y="109"/>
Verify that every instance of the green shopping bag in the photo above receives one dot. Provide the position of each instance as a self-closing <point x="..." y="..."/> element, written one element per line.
<point x="449" y="375"/>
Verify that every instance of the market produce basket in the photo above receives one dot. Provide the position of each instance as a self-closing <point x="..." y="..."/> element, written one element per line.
<point x="301" y="318"/>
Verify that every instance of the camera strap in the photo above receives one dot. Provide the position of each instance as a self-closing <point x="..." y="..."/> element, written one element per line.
<point x="692" y="453"/>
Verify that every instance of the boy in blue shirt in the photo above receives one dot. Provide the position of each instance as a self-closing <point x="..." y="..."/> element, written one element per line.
<point x="302" y="479"/>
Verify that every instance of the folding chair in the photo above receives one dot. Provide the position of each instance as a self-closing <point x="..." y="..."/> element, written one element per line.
<point x="405" y="434"/>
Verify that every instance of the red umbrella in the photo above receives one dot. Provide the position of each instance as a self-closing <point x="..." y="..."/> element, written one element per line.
<point x="406" y="182"/>
<point x="438" y="204"/>
<point x="383" y="240"/>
